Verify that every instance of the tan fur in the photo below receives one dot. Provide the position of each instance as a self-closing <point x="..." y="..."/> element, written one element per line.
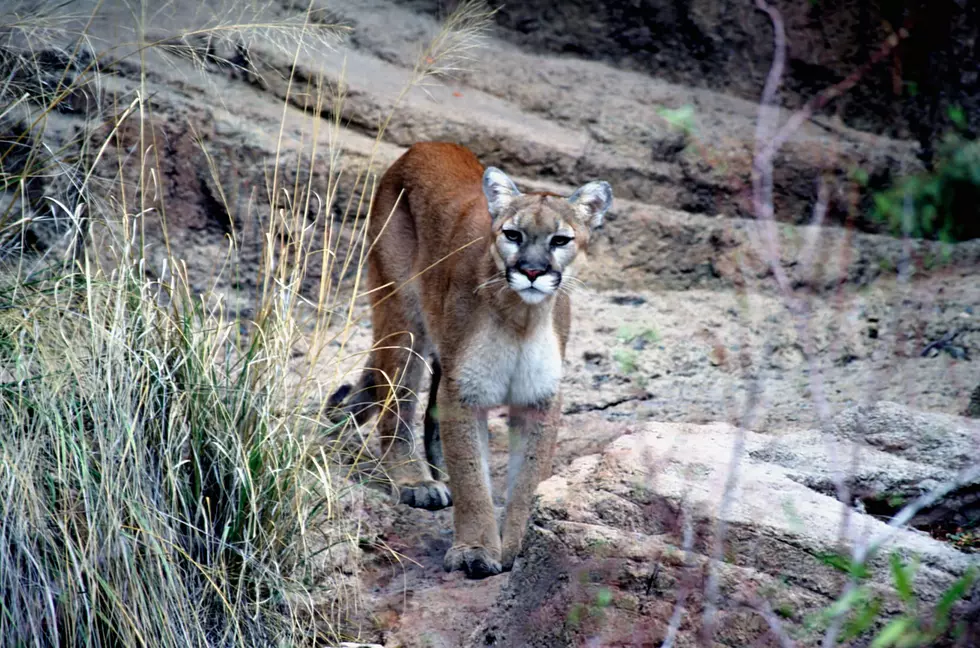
<point x="446" y="280"/>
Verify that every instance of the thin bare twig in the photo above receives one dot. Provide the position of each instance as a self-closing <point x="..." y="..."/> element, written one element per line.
<point x="863" y="551"/>
<point x="688" y="546"/>
<point x="753" y="405"/>
<point x="965" y="477"/>
<point x="819" y="101"/>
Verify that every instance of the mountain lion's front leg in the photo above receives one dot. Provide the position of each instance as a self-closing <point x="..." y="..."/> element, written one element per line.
<point x="476" y="544"/>
<point x="533" y="432"/>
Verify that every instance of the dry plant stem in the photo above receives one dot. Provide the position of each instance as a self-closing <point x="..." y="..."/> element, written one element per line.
<point x="767" y="145"/>
<point x="60" y="93"/>
<point x="731" y="484"/>
<point x="817" y="390"/>
<point x="753" y="405"/>
<point x="812" y="106"/>
<point x="688" y="546"/>
<point x="762" y="196"/>
<point x="862" y="549"/>
<point x="120" y="331"/>
<point x="762" y="177"/>
<point x="967" y="476"/>
<point x="460" y="34"/>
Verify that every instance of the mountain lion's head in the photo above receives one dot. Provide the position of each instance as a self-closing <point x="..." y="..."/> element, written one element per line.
<point x="538" y="235"/>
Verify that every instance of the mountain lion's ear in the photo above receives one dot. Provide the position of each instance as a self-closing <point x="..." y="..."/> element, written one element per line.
<point x="499" y="190"/>
<point x="592" y="201"/>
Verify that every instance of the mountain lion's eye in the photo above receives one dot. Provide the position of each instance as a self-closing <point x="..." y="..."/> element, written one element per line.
<point x="513" y="236"/>
<point x="560" y="241"/>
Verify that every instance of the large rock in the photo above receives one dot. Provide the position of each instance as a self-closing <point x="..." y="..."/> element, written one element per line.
<point x="604" y="560"/>
<point x="950" y="442"/>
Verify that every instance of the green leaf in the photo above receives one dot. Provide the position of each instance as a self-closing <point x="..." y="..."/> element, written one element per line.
<point x="892" y="632"/>
<point x="955" y="592"/>
<point x="844" y="564"/>
<point x="896" y="500"/>
<point x="844" y="604"/>
<point x="860" y="176"/>
<point x="837" y="561"/>
<point x="863" y="621"/>
<point x="627" y="361"/>
<point x="627" y="334"/>
<point x="914" y="638"/>
<point x="957" y="116"/>
<point x="902" y="578"/>
<point x="604" y="597"/>
<point x="883" y="204"/>
<point x="681" y="118"/>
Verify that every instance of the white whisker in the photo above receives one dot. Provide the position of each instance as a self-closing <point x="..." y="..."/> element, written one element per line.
<point x="489" y="282"/>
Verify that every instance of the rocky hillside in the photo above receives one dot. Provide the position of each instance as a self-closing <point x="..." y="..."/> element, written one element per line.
<point x="680" y="328"/>
<point x="726" y="46"/>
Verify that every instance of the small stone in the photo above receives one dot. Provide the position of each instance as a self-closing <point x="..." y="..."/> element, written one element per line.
<point x="628" y="300"/>
<point x="592" y="357"/>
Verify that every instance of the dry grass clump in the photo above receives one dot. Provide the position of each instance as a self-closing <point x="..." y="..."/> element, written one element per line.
<point x="150" y="494"/>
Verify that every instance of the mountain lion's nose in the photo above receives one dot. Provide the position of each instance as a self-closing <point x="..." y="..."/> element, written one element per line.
<point x="532" y="273"/>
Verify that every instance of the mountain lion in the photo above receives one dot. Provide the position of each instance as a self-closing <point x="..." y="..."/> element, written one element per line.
<point x="465" y="267"/>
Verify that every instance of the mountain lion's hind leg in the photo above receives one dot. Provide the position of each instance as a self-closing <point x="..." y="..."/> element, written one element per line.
<point x="399" y="361"/>
<point x="433" y="441"/>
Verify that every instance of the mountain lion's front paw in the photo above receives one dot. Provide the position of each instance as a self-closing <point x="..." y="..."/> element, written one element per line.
<point x="474" y="561"/>
<point x="431" y="495"/>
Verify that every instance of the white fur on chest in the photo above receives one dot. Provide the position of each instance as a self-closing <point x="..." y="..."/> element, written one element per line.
<point x="498" y="368"/>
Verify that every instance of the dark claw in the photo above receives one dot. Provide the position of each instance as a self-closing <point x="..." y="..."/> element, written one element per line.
<point x="475" y="562"/>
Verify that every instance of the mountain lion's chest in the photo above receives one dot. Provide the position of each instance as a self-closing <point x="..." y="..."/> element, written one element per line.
<point x="498" y="368"/>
